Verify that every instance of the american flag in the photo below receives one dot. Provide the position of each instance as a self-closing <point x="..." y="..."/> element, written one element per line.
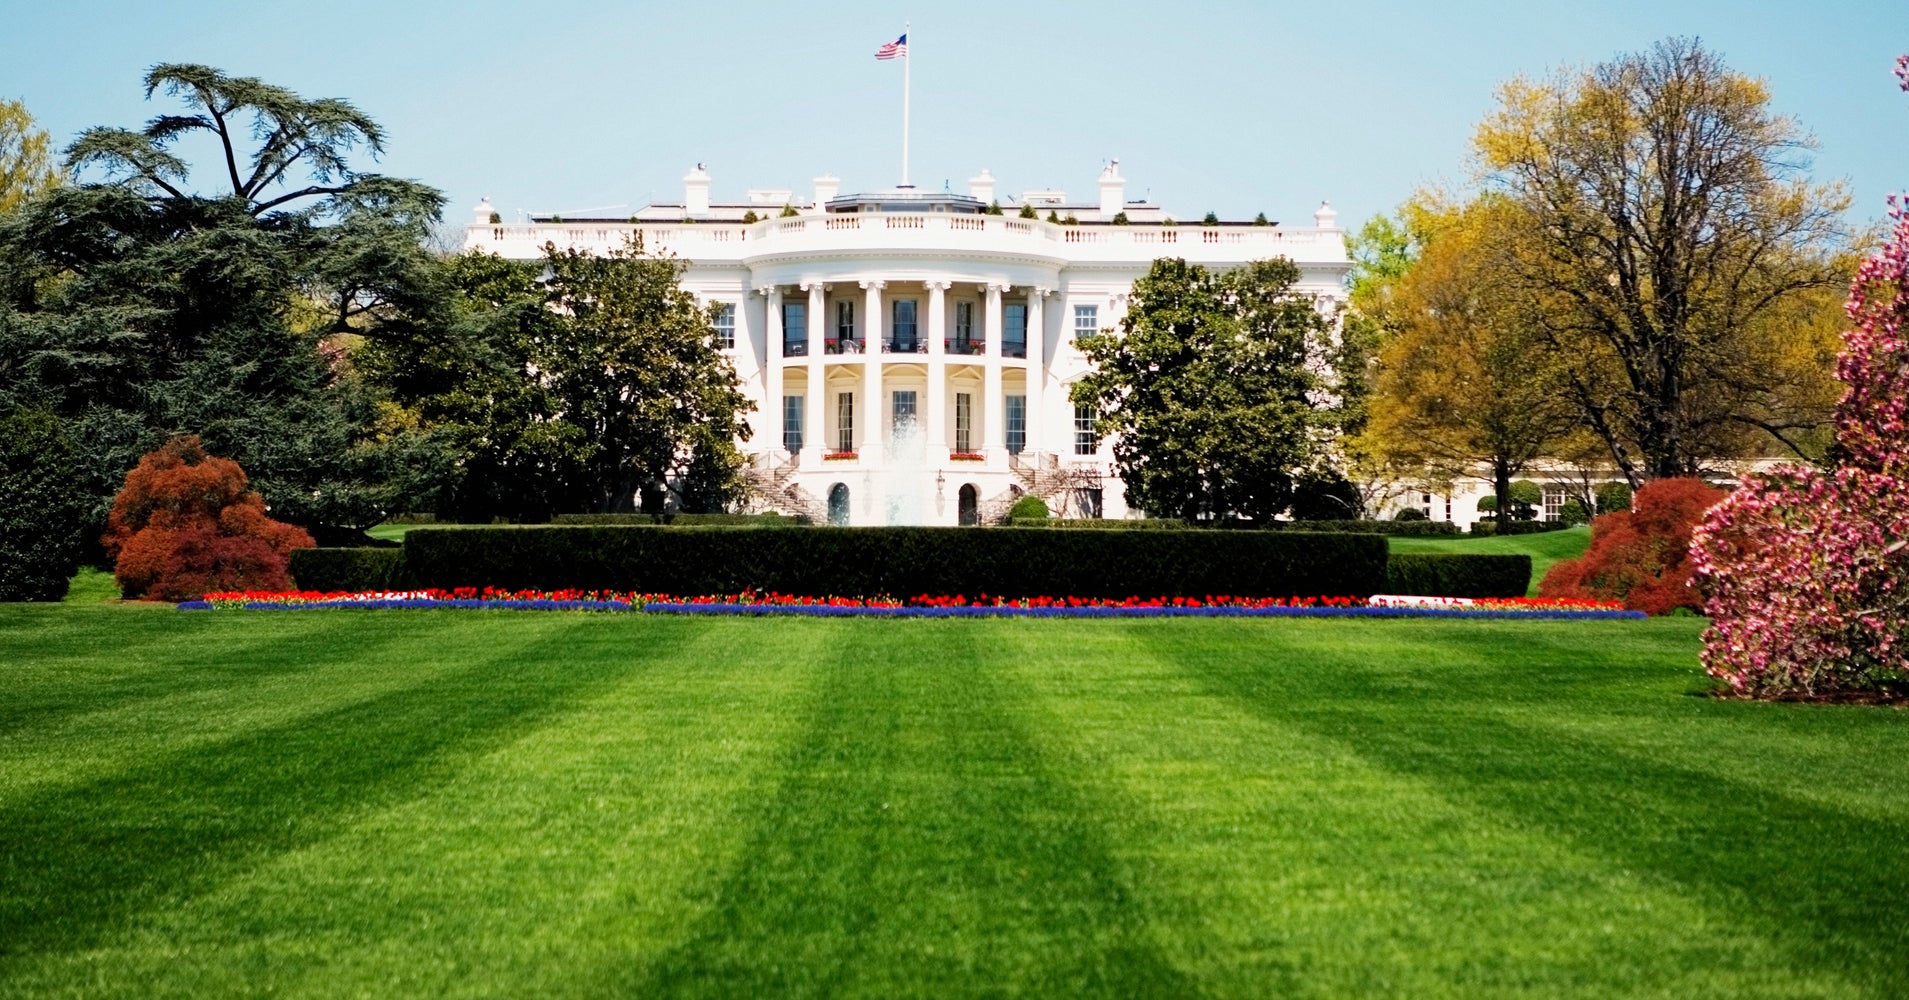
<point x="898" y="47"/>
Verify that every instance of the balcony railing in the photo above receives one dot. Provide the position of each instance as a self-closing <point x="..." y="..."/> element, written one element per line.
<point x="1014" y="348"/>
<point x="904" y="345"/>
<point x="964" y="345"/>
<point x="843" y="345"/>
<point x="795" y="348"/>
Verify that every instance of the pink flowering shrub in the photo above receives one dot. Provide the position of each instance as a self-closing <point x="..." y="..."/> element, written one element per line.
<point x="1805" y="569"/>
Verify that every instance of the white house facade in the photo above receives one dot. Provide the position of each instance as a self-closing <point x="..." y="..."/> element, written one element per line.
<point x="910" y="354"/>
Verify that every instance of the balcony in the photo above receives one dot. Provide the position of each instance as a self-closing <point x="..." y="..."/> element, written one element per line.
<point x="843" y="345"/>
<point x="907" y="344"/>
<point x="795" y="348"/>
<point x="964" y="345"/>
<point x="1014" y="348"/>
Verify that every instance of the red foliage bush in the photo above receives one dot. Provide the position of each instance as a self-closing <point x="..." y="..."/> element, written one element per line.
<point x="1640" y="556"/>
<point x="185" y="524"/>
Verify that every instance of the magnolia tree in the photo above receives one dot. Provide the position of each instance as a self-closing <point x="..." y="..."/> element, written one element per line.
<point x="1805" y="569"/>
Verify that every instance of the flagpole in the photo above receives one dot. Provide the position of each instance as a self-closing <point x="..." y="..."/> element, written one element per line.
<point x="907" y="61"/>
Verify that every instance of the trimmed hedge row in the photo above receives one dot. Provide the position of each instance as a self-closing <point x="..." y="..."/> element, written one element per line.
<point x="1409" y="528"/>
<point x="771" y="519"/>
<point x="356" y="569"/>
<point x="1463" y="575"/>
<point x="902" y="562"/>
<point x="1102" y="523"/>
<point x="1488" y="527"/>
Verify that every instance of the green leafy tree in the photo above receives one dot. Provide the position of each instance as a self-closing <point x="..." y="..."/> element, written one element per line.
<point x="43" y="507"/>
<point x="1212" y="388"/>
<point x="26" y="160"/>
<point x="635" y="370"/>
<point x="139" y="304"/>
<point x="1028" y="212"/>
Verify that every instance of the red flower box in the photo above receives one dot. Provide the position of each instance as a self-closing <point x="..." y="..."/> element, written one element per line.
<point x="966" y="456"/>
<point x="838" y="456"/>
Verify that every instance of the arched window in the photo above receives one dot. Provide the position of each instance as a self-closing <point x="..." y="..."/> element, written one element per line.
<point x="838" y="504"/>
<point x="969" y="508"/>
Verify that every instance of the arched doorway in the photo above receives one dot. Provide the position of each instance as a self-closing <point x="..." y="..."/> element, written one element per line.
<point x="838" y="504"/>
<point x="969" y="509"/>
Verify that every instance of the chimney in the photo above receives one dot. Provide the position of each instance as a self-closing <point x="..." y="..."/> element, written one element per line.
<point x="1113" y="190"/>
<point x="696" y="191"/>
<point x="981" y="187"/>
<point x="1325" y="218"/>
<point x="481" y="215"/>
<point x="826" y="187"/>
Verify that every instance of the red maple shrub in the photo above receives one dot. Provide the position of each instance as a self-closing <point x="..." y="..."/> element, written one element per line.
<point x="1640" y="556"/>
<point x="185" y="524"/>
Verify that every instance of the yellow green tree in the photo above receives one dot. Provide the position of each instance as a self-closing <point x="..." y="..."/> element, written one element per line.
<point x="26" y="161"/>
<point x="1672" y="252"/>
<point x="1461" y="379"/>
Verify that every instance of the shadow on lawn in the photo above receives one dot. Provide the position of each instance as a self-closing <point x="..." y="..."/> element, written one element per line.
<point x="77" y="862"/>
<point x="1830" y="887"/>
<point x="916" y="845"/>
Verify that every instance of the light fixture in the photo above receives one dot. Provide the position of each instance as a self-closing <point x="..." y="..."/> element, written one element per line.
<point x="941" y="484"/>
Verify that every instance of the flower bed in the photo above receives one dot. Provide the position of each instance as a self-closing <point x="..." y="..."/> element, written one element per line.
<point x="919" y="606"/>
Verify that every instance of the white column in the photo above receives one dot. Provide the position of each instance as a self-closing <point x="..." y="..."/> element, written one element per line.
<point x="1036" y="369"/>
<point x="772" y="365"/>
<point x="872" y="403"/>
<point x="935" y="423"/>
<point x="815" y="429"/>
<point x="993" y="441"/>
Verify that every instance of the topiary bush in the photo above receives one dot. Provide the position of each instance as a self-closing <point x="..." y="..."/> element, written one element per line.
<point x="1571" y="513"/>
<point x="1613" y="497"/>
<point x="1412" y="529"/>
<point x="901" y="562"/>
<point x="1640" y="557"/>
<point x="185" y="524"/>
<point x="43" y="506"/>
<point x="1410" y="514"/>
<point x="1526" y="497"/>
<point x="1028" y="508"/>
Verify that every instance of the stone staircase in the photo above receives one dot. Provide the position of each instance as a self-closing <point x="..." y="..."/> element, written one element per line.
<point x="772" y="487"/>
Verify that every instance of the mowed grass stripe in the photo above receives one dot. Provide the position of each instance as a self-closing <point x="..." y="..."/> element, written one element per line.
<point x="76" y="862"/>
<point x="918" y="847"/>
<point x="224" y="676"/>
<point x="543" y="865"/>
<point x="1738" y="892"/>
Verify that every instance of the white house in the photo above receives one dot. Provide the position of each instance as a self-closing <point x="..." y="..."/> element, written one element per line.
<point x="909" y="353"/>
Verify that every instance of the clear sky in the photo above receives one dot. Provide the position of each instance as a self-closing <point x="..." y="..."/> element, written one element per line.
<point x="1230" y="107"/>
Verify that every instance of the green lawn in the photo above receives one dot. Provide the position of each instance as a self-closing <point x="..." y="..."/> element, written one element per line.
<point x="511" y="804"/>
<point x="1544" y="549"/>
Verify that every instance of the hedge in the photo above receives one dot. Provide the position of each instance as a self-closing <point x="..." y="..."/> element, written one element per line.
<point x="1466" y="575"/>
<point x="1407" y="528"/>
<point x="1490" y="527"/>
<point x="770" y="519"/>
<point x="350" y="569"/>
<point x="901" y="562"/>
<point x="1103" y="523"/>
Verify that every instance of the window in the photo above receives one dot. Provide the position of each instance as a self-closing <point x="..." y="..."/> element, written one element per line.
<point x="902" y="338"/>
<point x="1089" y="501"/>
<point x="845" y="321"/>
<point x="792" y="423"/>
<point x="1086" y="321"/>
<point x="1017" y="424"/>
<point x="795" y="329"/>
<point x="1086" y="442"/>
<point x="964" y="422"/>
<point x="1425" y="505"/>
<point x="964" y="326"/>
<point x="904" y="412"/>
<point x="723" y="318"/>
<point x="845" y="422"/>
<point x="1014" y="330"/>
<point x="1553" y="503"/>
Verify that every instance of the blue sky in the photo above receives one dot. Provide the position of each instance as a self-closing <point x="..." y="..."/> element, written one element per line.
<point x="1230" y="107"/>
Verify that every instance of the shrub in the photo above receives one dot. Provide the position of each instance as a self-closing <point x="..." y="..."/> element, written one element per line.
<point x="1613" y="497"/>
<point x="1458" y="575"/>
<point x="1640" y="557"/>
<point x="1488" y="504"/>
<point x="1027" y="508"/>
<point x="1102" y="523"/>
<point x="1410" y="514"/>
<point x="1571" y="513"/>
<point x="769" y="519"/>
<point x="903" y="562"/>
<point x="1807" y="571"/>
<point x="185" y="524"/>
<point x="43" y="506"/>
<point x="1324" y="497"/>
<point x="1416" y="529"/>
<point x="355" y="570"/>
<point x="1526" y="497"/>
